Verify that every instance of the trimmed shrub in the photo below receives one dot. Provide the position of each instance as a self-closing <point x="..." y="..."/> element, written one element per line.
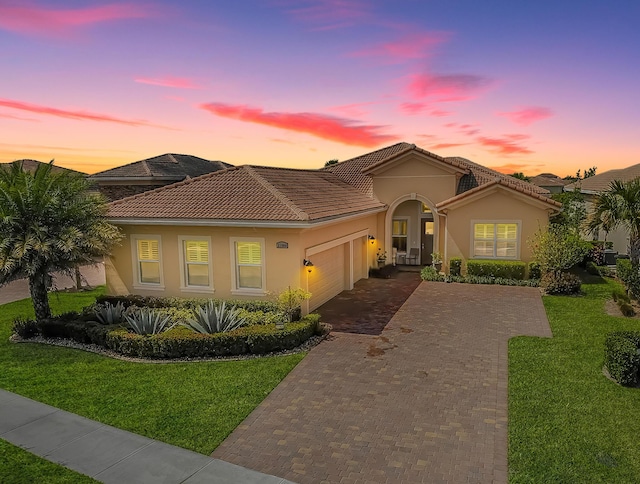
<point x="619" y="295"/>
<point x="592" y="269"/>
<point x="560" y="283"/>
<point x="85" y="332"/>
<point x="26" y="328"/>
<point x="626" y="309"/>
<point x="630" y="276"/>
<point x="184" y="303"/>
<point x="180" y="342"/>
<point x="621" y="356"/>
<point x="507" y="269"/>
<point x="534" y="270"/>
<point x="455" y="266"/>
<point x="429" y="273"/>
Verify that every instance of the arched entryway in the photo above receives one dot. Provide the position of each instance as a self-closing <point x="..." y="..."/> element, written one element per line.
<point x="412" y="230"/>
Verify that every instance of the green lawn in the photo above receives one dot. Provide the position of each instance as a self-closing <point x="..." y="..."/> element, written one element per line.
<point x="567" y="422"/>
<point x="191" y="405"/>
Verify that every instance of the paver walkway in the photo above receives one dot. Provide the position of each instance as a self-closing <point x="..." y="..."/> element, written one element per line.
<point x="426" y="401"/>
<point x="108" y="454"/>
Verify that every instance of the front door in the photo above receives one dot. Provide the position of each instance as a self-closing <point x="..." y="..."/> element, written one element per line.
<point x="426" y="245"/>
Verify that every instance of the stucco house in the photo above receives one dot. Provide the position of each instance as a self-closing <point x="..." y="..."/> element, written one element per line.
<point x="592" y="186"/>
<point x="144" y="175"/>
<point x="249" y="231"/>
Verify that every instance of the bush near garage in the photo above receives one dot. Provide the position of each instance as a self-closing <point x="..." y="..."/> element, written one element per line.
<point x="622" y="356"/>
<point x="506" y="269"/>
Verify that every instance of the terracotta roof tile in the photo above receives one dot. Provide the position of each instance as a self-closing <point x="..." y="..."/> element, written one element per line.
<point x="602" y="182"/>
<point x="249" y="193"/>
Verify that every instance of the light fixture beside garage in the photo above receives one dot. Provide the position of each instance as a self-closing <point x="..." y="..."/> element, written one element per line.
<point x="308" y="264"/>
<point x="371" y="238"/>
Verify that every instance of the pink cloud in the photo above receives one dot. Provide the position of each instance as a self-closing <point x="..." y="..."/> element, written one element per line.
<point x="414" y="108"/>
<point x="29" y="18"/>
<point x="19" y="118"/>
<point x="326" y="127"/>
<point x="415" y="46"/>
<point x="509" y="144"/>
<point x="328" y="14"/>
<point x="64" y="113"/>
<point x="446" y="88"/>
<point x="353" y="110"/>
<point x="527" y="115"/>
<point x="176" y="82"/>
<point x="442" y="146"/>
<point x="510" y="168"/>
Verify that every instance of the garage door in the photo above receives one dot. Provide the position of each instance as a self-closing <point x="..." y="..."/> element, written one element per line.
<point x="327" y="278"/>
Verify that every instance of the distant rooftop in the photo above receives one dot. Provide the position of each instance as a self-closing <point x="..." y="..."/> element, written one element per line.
<point x="31" y="165"/>
<point x="602" y="182"/>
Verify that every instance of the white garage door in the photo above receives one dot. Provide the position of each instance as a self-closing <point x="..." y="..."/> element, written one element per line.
<point x="328" y="277"/>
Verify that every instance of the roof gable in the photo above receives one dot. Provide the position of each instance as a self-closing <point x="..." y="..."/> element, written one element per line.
<point x="413" y="153"/>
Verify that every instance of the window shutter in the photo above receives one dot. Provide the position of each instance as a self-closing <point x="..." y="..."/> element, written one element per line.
<point x="249" y="253"/>
<point x="148" y="250"/>
<point x="507" y="231"/>
<point x="483" y="231"/>
<point x="196" y="251"/>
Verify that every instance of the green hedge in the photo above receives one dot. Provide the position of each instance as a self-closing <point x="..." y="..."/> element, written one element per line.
<point x="185" y="303"/>
<point x="181" y="342"/>
<point x="621" y="357"/>
<point x="630" y="276"/>
<point x="535" y="272"/>
<point x="506" y="269"/>
<point x="455" y="266"/>
<point x="85" y="332"/>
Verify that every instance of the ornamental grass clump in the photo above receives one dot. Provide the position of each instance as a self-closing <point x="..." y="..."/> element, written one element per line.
<point x="109" y="314"/>
<point x="209" y="319"/>
<point x="147" y="321"/>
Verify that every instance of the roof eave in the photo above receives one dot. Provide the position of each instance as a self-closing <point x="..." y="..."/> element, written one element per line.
<point x="279" y="224"/>
<point x="133" y="178"/>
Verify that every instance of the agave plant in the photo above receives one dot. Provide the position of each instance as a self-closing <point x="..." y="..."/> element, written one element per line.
<point x="109" y="314"/>
<point x="147" y="321"/>
<point x="215" y="319"/>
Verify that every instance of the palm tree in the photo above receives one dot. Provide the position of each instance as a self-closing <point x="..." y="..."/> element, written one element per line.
<point x="620" y="207"/>
<point x="49" y="222"/>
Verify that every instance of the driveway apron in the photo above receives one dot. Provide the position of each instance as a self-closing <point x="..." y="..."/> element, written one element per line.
<point x="425" y="401"/>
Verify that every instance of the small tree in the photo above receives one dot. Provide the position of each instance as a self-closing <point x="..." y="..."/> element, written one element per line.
<point x="290" y="300"/>
<point x="574" y="210"/>
<point x="49" y="222"/>
<point x="557" y="248"/>
<point x="331" y="163"/>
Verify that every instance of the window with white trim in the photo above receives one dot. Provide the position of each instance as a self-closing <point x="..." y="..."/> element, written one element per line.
<point x="495" y="240"/>
<point x="196" y="262"/>
<point x="399" y="231"/>
<point x="249" y="264"/>
<point x="148" y="264"/>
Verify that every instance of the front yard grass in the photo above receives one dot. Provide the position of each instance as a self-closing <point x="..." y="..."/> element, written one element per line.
<point x="191" y="405"/>
<point x="567" y="422"/>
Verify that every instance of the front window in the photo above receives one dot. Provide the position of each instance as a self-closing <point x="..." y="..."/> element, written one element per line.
<point x="399" y="235"/>
<point x="495" y="240"/>
<point x="196" y="266"/>
<point x="148" y="261"/>
<point x="249" y="270"/>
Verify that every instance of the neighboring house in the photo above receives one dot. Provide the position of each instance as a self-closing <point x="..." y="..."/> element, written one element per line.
<point x="144" y="175"/>
<point x="550" y="182"/>
<point x="248" y="231"/>
<point x="592" y="186"/>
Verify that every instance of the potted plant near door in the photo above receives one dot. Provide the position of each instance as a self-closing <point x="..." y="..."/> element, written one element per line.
<point x="382" y="257"/>
<point x="436" y="261"/>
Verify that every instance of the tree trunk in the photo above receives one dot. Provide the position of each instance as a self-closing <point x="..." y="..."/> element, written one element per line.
<point x="39" y="297"/>
<point x="78" y="278"/>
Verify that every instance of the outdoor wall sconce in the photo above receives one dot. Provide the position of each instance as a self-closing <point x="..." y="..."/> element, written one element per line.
<point x="371" y="238"/>
<point x="308" y="264"/>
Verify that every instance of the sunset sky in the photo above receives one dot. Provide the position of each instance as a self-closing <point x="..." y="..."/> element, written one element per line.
<point x="531" y="86"/>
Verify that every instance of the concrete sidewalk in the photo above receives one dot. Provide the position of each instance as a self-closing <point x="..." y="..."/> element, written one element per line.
<point x="108" y="454"/>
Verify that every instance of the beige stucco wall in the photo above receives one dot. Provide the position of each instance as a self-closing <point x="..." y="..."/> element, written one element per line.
<point x="283" y="267"/>
<point x="414" y="174"/>
<point x="498" y="206"/>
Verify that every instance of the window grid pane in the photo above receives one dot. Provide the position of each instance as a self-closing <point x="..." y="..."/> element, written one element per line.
<point x="249" y="265"/>
<point x="495" y="240"/>
<point x="149" y="261"/>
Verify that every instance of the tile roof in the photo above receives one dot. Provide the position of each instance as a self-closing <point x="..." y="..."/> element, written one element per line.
<point x="548" y="181"/>
<point x="519" y="187"/>
<point x="351" y="170"/>
<point x="169" y="165"/>
<point x="249" y="193"/>
<point x="602" y="182"/>
<point x="31" y="165"/>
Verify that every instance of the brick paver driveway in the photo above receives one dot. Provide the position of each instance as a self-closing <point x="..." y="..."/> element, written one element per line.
<point x="426" y="401"/>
